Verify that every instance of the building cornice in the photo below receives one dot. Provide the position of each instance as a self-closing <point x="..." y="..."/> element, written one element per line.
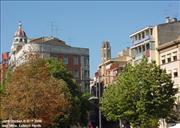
<point x="141" y="30"/>
<point x="168" y="44"/>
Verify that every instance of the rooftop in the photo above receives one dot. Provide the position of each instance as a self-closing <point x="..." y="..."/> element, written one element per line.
<point x="49" y="40"/>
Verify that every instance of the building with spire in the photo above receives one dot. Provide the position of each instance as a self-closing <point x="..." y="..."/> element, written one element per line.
<point x="20" y="39"/>
<point x="109" y="68"/>
<point x="76" y="59"/>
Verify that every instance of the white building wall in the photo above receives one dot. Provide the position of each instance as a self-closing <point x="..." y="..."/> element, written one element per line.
<point x="172" y="66"/>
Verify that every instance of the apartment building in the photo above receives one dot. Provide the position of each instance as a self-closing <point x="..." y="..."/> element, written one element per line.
<point x="169" y="56"/>
<point x="75" y="59"/>
<point x="146" y="41"/>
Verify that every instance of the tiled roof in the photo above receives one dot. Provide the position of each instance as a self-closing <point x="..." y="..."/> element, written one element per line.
<point x="49" y="40"/>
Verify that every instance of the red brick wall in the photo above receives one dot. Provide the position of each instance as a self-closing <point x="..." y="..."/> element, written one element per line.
<point x="70" y="66"/>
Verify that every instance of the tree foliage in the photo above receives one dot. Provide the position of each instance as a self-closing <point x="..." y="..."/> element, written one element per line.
<point x="79" y="101"/>
<point x="55" y="87"/>
<point x="142" y="94"/>
<point x="32" y="93"/>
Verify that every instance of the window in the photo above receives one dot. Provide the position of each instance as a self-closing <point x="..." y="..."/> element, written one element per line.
<point x="175" y="73"/>
<point x="163" y="60"/>
<point x="76" y="73"/>
<point x="147" y="46"/>
<point x="86" y="60"/>
<point x="169" y="73"/>
<point x="75" y="60"/>
<point x="147" y="32"/>
<point x="174" y="56"/>
<point x="140" y="49"/>
<point x="151" y="31"/>
<point x="143" y="48"/>
<point x="139" y="36"/>
<point x="143" y="35"/>
<point x="65" y="59"/>
<point x="135" y="37"/>
<point x="86" y="74"/>
<point x="168" y="58"/>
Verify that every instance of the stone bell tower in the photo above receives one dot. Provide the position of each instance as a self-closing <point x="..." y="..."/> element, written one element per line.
<point x="105" y="51"/>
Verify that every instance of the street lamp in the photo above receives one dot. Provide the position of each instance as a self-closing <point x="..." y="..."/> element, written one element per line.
<point x="92" y="113"/>
<point x="99" y="103"/>
<point x="97" y="97"/>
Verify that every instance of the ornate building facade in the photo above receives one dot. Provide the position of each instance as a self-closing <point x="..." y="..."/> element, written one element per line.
<point x="75" y="59"/>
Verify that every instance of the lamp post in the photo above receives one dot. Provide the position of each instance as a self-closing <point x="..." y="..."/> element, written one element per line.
<point x="99" y="95"/>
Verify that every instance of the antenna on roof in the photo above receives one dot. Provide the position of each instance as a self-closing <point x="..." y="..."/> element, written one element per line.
<point x="69" y="40"/>
<point x="52" y="28"/>
<point x="56" y="29"/>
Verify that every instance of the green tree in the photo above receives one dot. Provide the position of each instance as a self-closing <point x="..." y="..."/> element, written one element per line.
<point x="79" y="101"/>
<point x="142" y="94"/>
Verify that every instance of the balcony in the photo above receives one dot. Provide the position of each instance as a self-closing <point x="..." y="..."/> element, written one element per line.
<point x="142" y="40"/>
<point x="139" y="56"/>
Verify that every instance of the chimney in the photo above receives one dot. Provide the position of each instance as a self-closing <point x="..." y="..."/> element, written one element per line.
<point x="168" y="19"/>
<point x="174" y="20"/>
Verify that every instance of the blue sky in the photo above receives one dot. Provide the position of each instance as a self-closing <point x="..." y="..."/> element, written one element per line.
<point x="84" y="24"/>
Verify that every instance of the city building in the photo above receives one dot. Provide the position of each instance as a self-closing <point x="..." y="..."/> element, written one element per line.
<point x="106" y="74"/>
<point x="75" y="59"/>
<point x="160" y="43"/>
<point x="146" y="41"/>
<point x="169" y="56"/>
<point x="111" y="67"/>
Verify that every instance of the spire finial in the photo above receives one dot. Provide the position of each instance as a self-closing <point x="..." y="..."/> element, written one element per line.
<point x="20" y="24"/>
